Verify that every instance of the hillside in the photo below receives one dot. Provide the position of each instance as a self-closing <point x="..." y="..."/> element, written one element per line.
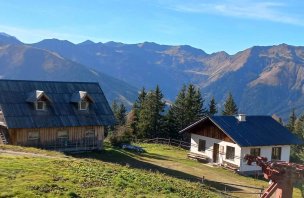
<point x="19" y="61"/>
<point x="263" y="79"/>
<point x="48" y="174"/>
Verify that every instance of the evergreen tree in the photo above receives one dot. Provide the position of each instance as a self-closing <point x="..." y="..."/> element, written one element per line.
<point x="151" y="114"/>
<point x="297" y="151"/>
<point x="212" y="107"/>
<point x="292" y="120"/>
<point x="230" y="107"/>
<point x="187" y="108"/>
<point x="119" y="112"/>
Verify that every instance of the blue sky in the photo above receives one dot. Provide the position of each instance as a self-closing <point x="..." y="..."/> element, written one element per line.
<point x="228" y="25"/>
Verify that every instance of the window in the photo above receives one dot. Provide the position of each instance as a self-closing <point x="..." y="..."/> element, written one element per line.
<point x="62" y="135"/>
<point x="40" y="105"/>
<point x="90" y="133"/>
<point x="83" y="105"/>
<point x="230" y="152"/>
<point x="202" y="145"/>
<point x="33" y="135"/>
<point x="276" y="153"/>
<point x="255" y="151"/>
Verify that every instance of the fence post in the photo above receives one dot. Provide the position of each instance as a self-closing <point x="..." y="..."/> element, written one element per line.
<point x="169" y="142"/>
<point x="156" y="140"/>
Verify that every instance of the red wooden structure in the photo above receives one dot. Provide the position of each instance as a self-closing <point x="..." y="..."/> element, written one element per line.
<point x="282" y="174"/>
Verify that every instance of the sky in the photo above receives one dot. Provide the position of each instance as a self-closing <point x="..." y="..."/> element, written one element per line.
<point x="218" y="25"/>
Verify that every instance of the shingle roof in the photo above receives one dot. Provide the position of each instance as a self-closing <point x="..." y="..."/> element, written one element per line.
<point x="255" y="131"/>
<point x="20" y="113"/>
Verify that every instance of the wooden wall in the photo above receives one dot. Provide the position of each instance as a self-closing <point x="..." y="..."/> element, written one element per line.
<point x="209" y="129"/>
<point x="20" y="136"/>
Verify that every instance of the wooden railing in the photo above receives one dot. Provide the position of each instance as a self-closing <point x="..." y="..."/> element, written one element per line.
<point x="66" y="145"/>
<point x="171" y="142"/>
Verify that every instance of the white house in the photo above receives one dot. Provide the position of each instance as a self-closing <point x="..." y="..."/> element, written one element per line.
<point x="225" y="140"/>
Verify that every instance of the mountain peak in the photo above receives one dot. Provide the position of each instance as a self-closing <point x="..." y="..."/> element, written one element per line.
<point x="8" y="39"/>
<point x="87" y="42"/>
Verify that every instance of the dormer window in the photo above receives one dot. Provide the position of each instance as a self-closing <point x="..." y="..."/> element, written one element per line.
<point x="40" y="105"/>
<point x="38" y="99"/>
<point x="83" y="105"/>
<point x="82" y="100"/>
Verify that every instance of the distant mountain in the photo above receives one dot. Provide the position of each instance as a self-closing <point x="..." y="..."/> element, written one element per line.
<point x="8" y="39"/>
<point x="263" y="80"/>
<point x="31" y="63"/>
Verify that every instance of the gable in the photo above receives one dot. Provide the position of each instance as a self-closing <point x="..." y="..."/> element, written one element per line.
<point x="19" y="111"/>
<point x="209" y="129"/>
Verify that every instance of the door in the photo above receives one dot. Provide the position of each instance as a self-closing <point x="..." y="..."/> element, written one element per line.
<point x="215" y="152"/>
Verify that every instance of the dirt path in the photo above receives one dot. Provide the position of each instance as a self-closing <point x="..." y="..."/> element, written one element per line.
<point x="20" y="153"/>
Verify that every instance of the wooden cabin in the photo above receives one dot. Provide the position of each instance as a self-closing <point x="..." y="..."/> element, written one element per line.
<point x="226" y="140"/>
<point x="67" y="116"/>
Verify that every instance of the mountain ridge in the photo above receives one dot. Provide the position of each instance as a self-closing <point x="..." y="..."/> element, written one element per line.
<point x="263" y="79"/>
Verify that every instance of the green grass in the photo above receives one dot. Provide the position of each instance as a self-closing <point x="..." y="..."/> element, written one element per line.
<point x="162" y="171"/>
<point x="38" y="176"/>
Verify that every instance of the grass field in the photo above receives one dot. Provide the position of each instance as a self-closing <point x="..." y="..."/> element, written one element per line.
<point x="162" y="171"/>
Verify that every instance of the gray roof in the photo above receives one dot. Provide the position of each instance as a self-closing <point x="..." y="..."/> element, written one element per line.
<point x="17" y="97"/>
<point x="255" y="131"/>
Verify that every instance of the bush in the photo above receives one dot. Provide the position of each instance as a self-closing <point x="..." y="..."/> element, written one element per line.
<point x="121" y="135"/>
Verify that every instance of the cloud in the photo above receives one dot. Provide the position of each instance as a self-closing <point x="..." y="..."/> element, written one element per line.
<point x="266" y="10"/>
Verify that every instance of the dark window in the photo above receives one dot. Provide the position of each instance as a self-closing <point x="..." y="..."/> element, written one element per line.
<point x="62" y="135"/>
<point x="276" y="153"/>
<point x="40" y="105"/>
<point x="83" y="105"/>
<point x="90" y="133"/>
<point x="202" y="145"/>
<point x="33" y="135"/>
<point x="255" y="151"/>
<point x="230" y="152"/>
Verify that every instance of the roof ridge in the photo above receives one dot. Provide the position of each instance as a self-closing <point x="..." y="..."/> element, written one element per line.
<point x="50" y="81"/>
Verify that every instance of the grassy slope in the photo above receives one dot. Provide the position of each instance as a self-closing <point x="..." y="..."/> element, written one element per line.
<point x="60" y="176"/>
<point x="162" y="171"/>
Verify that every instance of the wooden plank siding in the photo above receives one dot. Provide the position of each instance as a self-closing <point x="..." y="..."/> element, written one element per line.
<point x="209" y="129"/>
<point x="48" y="136"/>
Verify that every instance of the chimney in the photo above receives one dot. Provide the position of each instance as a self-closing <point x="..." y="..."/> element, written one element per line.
<point x="241" y="117"/>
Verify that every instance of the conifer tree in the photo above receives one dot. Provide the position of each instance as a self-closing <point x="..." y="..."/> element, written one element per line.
<point x="151" y="114"/>
<point x="212" y="107"/>
<point x="187" y="108"/>
<point x="230" y="108"/>
<point x="119" y="112"/>
<point x="292" y="120"/>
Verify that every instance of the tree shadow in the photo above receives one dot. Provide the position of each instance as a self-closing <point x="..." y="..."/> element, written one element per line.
<point x="125" y="158"/>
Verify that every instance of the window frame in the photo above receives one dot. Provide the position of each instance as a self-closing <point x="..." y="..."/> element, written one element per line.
<point x="229" y="156"/>
<point x="91" y="131"/>
<point x="200" y="148"/>
<point x="255" y="151"/>
<point x="33" y="137"/>
<point x="62" y="137"/>
<point x="273" y="153"/>
<point x="86" y="105"/>
<point x="43" y="105"/>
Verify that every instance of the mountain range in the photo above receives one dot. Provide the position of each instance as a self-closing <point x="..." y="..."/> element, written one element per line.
<point x="262" y="79"/>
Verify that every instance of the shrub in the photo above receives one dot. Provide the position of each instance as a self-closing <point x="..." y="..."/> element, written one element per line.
<point x="121" y="135"/>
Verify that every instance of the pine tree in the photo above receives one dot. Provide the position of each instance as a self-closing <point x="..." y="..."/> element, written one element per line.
<point x="212" y="107"/>
<point x="187" y="108"/>
<point x="151" y="114"/>
<point x="297" y="151"/>
<point x="230" y="108"/>
<point x="119" y="112"/>
<point x="292" y="120"/>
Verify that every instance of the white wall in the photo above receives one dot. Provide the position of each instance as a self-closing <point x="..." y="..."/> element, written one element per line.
<point x="209" y="148"/>
<point x="240" y="152"/>
<point x="265" y="152"/>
